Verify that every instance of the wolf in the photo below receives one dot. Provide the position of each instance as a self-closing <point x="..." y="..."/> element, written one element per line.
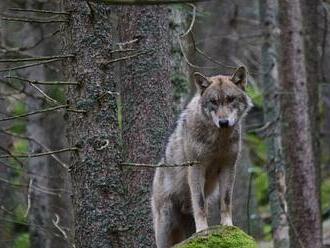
<point x="208" y="131"/>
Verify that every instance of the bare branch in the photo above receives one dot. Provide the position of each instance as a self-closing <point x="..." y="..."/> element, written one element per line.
<point x="198" y="50"/>
<point x="56" y="224"/>
<point x="10" y="155"/>
<point x="146" y="2"/>
<point x="40" y="154"/>
<point x="36" y="58"/>
<point x="29" y="198"/>
<point x="39" y="11"/>
<point x="16" y="19"/>
<point x="37" y="142"/>
<point x="34" y="112"/>
<point x="29" y="65"/>
<point x="106" y="62"/>
<point x="43" y="82"/>
<point x="44" y="94"/>
<point x="161" y="165"/>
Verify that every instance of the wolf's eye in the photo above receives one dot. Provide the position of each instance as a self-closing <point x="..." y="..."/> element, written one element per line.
<point x="213" y="101"/>
<point x="230" y="99"/>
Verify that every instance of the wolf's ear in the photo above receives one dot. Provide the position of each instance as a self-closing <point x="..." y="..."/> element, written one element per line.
<point x="240" y="77"/>
<point x="201" y="82"/>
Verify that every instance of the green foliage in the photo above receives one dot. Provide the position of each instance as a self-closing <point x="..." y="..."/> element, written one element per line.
<point x="21" y="146"/>
<point x="258" y="147"/>
<point x="19" y="108"/>
<point x="19" y="126"/>
<point x="220" y="237"/>
<point x="261" y="186"/>
<point x="267" y="230"/>
<point x="256" y="95"/>
<point x="325" y="194"/>
<point x="57" y="92"/>
<point x="20" y="214"/>
<point x="22" y="241"/>
<point x="180" y="83"/>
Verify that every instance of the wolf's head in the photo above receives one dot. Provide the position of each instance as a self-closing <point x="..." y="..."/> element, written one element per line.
<point x="223" y="99"/>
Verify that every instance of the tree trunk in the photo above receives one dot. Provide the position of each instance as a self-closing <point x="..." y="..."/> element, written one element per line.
<point x="303" y="201"/>
<point x="147" y="109"/>
<point x="311" y="18"/>
<point x="275" y="168"/>
<point x="111" y="202"/>
<point x="180" y="71"/>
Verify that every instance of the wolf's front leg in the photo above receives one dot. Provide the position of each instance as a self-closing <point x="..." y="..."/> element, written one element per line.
<point x="227" y="179"/>
<point x="196" y="178"/>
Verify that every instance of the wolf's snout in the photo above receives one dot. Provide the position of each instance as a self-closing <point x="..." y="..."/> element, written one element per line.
<point x="223" y="123"/>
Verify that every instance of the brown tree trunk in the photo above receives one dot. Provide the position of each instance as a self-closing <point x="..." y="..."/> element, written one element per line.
<point x="311" y="19"/>
<point x="147" y="109"/>
<point x="111" y="202"/>
<point x="275" y="166"/>
<point x="303" y="200"/>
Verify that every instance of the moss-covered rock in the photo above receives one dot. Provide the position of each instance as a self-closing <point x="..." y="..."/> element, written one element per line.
<point x="219" y="237"/>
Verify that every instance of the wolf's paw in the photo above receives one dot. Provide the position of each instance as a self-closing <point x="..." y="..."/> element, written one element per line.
<point x="227" y="222"/>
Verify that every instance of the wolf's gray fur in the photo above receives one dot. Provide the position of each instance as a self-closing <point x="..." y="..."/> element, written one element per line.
<point x="208" y="131"/>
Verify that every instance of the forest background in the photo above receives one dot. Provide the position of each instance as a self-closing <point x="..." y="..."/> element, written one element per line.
<point x="90" y="90"/>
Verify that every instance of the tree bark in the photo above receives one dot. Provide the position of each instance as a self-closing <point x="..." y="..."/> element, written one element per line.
<point x="126" y="116"/>
<point x="147" y="110"/>
<point x="311" y="20"/>
<point x="275" y="167"/>
<point x="303" y="201"/>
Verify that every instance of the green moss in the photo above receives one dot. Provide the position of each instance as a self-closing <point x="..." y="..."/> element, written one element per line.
<point x="22" y="241"/>
<point x="325" y="194"/>
<point x="219" y="237"/>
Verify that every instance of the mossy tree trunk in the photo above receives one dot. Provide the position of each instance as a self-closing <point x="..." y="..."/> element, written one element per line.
<point x="275" y="167"/>
<point x="303" y="198"/>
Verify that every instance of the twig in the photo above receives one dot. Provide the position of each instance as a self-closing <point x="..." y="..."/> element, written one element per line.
<point x="198" y="50"/>
<point x="122" y="50"/>
<point x="16" y="19"/>
<point x="34" y="155"/>
<point x="17" y="185"/>
<point x="146" y="2"/>
<point x="36" y="58"/>
<point x="43" y="82"/>
<point x="39" y="11"/>
<point x="29" y="198"/>
<point x="183" y="35"/>
<point x="28" y="47"/>
<point x="248" y="203"/>
<point x="44" y="94"/>
<point x="106" y="62"/>
<point x="121" y="44"/>
<point x="10" y="155"/>
<point x="192" y="21"/>
<point x="56" y="224"/>
<point x="37" y="142"/>
<point x="161" y="165"/>
<point x="34" y="112"/>
<point x="29" y="65"/>
<point x="188" y="61"/>
<point x="80" y="111"/>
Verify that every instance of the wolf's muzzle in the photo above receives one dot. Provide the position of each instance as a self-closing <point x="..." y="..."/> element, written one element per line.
<point x="223" y="123"/>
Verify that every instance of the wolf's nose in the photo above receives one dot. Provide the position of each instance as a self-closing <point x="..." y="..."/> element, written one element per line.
<point x="223" y="123"/>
